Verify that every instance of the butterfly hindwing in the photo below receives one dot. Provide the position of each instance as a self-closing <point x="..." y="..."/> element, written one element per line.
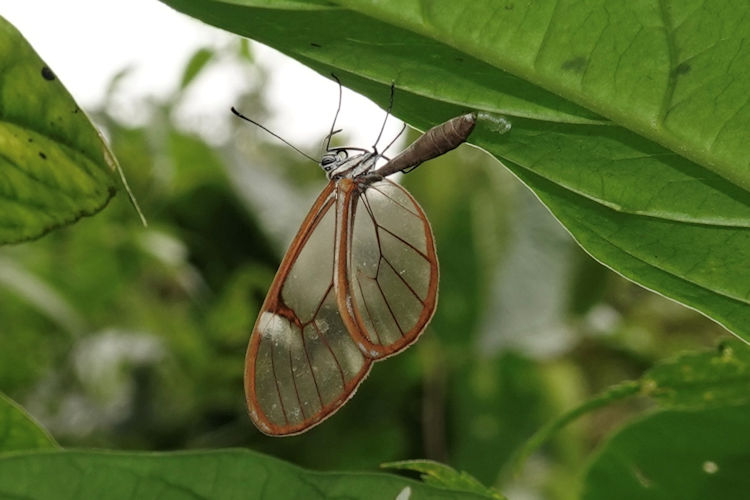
<point x="388" y="270"/>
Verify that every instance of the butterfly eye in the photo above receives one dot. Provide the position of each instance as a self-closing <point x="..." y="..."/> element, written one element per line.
<point x="327" y="161"/>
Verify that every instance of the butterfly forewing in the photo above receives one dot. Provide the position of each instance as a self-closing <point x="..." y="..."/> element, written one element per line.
<point x="302" y="363"/>
<point x="388" y="267"/>
<point x="359" y="282"/>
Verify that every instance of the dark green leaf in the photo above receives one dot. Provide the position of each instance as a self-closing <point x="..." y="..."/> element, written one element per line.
<point x="643" y="197"/>
<point x="675" y="454"/>
<point x="215" y="474"/>
<point x="657" y="189"/>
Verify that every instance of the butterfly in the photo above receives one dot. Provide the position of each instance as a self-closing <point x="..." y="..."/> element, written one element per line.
<point x="358" y="283"/>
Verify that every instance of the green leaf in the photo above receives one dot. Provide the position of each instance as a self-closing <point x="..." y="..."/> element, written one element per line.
<point x="674" y="71"/>
<point x="55" y="166"/>
<point x="675" y="454"/>
<point x="443" y="476"/>
<point x="628" y="119"/>
<point x="19" y="431"/>
<point x="222" y="474"/>
<point x="328" y="37"/>
<point x="702" y="380"/>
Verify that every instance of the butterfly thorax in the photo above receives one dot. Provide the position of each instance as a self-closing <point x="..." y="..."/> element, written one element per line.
<point x="338" y="163"/>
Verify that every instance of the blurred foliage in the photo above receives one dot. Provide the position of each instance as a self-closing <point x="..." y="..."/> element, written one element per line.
<point x="119" y="336"/>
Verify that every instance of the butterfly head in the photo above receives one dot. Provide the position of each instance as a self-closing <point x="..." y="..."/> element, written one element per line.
<point x="338" y="162"/>
<point x="331" y="159"/>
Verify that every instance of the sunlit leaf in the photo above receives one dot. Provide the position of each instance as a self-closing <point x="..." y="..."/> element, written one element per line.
<point x="213" y="474"/>
<point x="628" y="119"/>
<point x="675" y="454"/>
<point x="56" y="168"/>
<point x="18" y="431"/>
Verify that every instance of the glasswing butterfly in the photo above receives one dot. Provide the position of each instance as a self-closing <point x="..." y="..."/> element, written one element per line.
<point x="358" y="283"/>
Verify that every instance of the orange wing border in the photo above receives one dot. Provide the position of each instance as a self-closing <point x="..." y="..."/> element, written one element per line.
<point x="273" y="303"/>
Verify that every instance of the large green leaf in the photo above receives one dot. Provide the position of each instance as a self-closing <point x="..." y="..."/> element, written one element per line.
<point x="54" y="166"/>
<point x="675" y="454"/>
<point x="215" y="474"/>
<point x="18" y="431"/>
<point x="628" y="118"/>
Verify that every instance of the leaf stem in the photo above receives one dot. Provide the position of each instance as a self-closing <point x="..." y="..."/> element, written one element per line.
<point x="618" y="392"/>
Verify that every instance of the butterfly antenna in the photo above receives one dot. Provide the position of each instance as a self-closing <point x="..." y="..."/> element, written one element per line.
<point x="387" y="113"/>
<point x="234" y="110"/>
<point x="335" y="117"/>
<point x="394" y="139"/>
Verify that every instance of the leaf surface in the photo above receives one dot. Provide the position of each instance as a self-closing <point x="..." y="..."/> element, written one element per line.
<point x="628" y="120"/>
<point x="224" y="474"/>
<point x="54" y="165"/>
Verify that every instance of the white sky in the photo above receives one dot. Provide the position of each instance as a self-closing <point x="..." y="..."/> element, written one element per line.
<point x="86" y="42"/>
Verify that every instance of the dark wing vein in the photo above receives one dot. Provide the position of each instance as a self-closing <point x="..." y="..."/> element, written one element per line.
<point x="367" y="309"/>
<point x="395" y="202"/>
<point x="278" y="389"/>
<point x="403" y="280"/>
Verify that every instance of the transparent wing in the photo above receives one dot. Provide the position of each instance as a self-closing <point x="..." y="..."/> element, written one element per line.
<point x="388" y="270"/>
<point x="302" y="364"/>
